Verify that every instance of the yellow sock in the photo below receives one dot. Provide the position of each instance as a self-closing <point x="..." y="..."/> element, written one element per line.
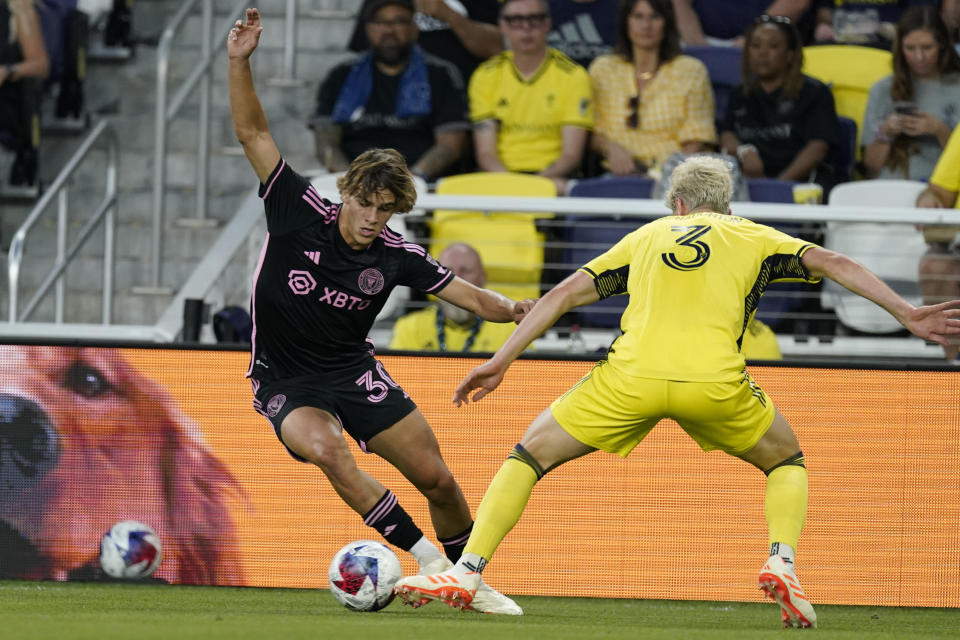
<point x="786" y="503"/>
<point x="501" y="507"/>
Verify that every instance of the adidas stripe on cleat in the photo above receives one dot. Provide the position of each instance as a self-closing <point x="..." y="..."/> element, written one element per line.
<point x="453" y="588"/>
<point x="781" y="585"/>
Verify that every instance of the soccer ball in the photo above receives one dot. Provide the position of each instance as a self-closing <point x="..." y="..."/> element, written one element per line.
<point x="130" y="550"/>
<point x="362" y="575"/>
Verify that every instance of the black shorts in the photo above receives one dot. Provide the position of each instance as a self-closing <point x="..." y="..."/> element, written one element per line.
<point x="363" y="397"/>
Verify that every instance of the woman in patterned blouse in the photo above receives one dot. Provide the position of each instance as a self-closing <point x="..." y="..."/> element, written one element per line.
<point x="651" y="101"/>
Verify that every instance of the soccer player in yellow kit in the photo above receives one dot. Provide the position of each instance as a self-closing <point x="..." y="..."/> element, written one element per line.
<point x="694" y="279"/>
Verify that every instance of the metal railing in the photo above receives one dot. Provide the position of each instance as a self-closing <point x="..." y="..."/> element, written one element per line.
<point x="105" y="211"/>
<point x="165" y="113"/>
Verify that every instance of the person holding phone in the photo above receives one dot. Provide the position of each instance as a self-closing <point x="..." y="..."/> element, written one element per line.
<point x="911" y="113"/>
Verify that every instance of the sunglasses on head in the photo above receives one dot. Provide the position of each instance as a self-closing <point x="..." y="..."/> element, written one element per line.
<point x="768" y="19"/>
<point x="529" y="19"/>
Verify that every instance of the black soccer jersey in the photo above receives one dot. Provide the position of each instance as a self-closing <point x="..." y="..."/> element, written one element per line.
<point x="315" y="298"/>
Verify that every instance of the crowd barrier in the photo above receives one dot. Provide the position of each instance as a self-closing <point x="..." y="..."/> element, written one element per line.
<point x="96" y="435"/>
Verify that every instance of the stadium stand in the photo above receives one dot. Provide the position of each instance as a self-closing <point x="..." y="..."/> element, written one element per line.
<point x="892" y="251"/>
<point x="849" y="71"/>
<point x="723" y="67"/>
<point x="586" y="237"/>
<point x="509" y="244"/>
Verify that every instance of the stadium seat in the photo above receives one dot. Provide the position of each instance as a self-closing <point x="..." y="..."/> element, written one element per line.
<point x="843" y="155"/>
<point x="892" y="251"/>
<point x="586" y="237"/>
<point x="509" y="244"/>
<point x="612" y="187"/>
<point x="771" y="190"/>
<point x="850" y="71"/>
<point x="326" y="186"/>
<point x="723" y="66"/>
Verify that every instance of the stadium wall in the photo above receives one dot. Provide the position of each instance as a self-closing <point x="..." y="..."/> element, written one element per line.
<point x="155" y="434"/>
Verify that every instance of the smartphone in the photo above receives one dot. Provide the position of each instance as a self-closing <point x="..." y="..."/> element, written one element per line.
<point x="905" y="108"/>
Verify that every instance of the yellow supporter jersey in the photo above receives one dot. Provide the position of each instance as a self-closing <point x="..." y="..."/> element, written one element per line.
<point x="531" y="113"/>
<point x="418" y="331"/>
<point x="694" y="282"/>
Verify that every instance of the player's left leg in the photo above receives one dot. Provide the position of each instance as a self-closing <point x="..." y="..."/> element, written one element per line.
<point x="739" y="418"/>
<point x="412" y="448"/>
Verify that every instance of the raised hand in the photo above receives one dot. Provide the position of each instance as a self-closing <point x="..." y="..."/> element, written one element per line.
<point x="934" y="322"/>
<point x="243" y="38"/>
<point x="486" y="378"/>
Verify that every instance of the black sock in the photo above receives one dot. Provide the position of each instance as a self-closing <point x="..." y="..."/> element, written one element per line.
<point x="454" y="545"/>
<point x="393" y="523"/>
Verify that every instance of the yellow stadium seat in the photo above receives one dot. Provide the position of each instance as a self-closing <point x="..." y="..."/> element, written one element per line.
<point x="850" y="71"/>
<point x="509" y="244"/>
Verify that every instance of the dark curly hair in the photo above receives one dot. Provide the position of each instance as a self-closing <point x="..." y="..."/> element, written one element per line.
<point x="669" y="46"/>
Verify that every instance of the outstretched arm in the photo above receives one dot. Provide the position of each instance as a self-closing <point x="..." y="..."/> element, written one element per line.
<point x="933" y="322"/>
<point x="487" y="304"/>
<point x="576" y="290"/>
<point x="249" y="121"/>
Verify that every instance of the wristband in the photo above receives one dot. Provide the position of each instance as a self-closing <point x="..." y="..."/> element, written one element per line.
<point x="10" y="71"/>
<point x="744" y="149"/>
<point x="879" y="135"/>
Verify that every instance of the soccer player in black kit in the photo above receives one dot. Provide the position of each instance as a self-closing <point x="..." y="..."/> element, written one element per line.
<point x="324" y="272"/>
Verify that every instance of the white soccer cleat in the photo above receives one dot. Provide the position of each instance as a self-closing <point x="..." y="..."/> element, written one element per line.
<point x="437" y="565"/>
<point x="453" y="587"/>
<point x="779" y="583"/>
<point x="489" y="600"/>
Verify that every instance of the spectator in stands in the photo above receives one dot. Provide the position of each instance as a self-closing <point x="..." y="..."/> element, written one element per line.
<point x="395" y="95"/>
<point x="651" y="100"/>
<point x="939" y="267"/>
<point x="724" y="22"/>
<point x="911" y="113"/>
<point x="461" y="32"/>
<point x="532" y="106"/>
<point x="868" y="23"/>
<point x="447" y="327"/>
<point x="583" y="29"/>
<point x="22" y="55"/>
<point x="950" y="13"/>
<point x="779" y="122"/>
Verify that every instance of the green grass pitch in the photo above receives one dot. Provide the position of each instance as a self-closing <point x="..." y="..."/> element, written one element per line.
<point x="40" y="610"/>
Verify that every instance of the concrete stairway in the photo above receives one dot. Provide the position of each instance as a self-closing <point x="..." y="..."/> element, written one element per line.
<point x="127" y="92"/>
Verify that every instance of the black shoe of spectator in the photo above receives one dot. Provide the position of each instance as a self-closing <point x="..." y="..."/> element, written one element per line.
<point x="117" y="31"/>
<point x="70" y="99"/>
<point x="23" y="173"/>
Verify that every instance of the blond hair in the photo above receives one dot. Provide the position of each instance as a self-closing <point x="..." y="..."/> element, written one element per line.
<point x="701" y="182"/>
<point x="375" y="170"/>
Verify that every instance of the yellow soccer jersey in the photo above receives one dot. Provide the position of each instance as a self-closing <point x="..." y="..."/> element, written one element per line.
<point x="694" y="282"/>
<point x="418" y="331"/>
<point x="531" y="113"/>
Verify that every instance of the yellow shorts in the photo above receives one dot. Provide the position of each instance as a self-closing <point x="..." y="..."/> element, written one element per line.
<point x="613" y="412"/>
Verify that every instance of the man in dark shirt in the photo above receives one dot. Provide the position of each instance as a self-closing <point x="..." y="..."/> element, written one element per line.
<point x="325" y="271"/>
<point x="394" y="95"/>
<point x="463" y="32"/>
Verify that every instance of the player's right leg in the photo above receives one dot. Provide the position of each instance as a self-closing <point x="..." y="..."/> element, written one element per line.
<point x="778" y="455"/>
